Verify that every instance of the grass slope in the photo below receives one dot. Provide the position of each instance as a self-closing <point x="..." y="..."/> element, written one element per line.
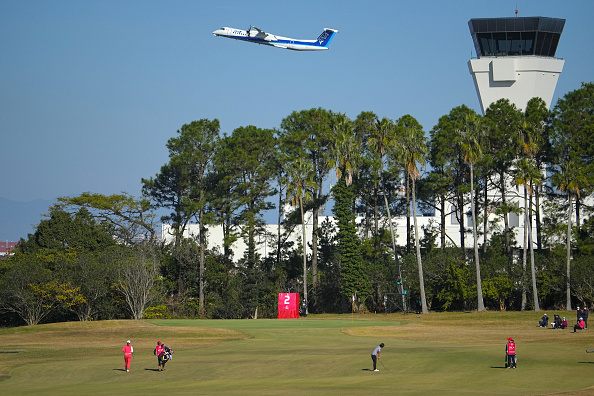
<point x="445" y="353"/>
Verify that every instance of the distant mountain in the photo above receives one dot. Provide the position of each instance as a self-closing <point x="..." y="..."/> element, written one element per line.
<point x="18" y="219"/>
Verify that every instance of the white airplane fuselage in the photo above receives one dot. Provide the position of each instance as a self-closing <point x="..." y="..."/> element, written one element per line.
<point x="257" y="36"/>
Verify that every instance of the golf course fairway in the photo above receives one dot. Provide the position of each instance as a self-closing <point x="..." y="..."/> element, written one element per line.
<point x="438" y="353"/>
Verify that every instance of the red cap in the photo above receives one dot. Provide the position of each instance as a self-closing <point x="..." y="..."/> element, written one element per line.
<point x="510" y="339"/>
<point x="159" y="342"/>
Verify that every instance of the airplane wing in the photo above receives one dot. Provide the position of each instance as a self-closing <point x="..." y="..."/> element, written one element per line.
<point x="263" y="35"/>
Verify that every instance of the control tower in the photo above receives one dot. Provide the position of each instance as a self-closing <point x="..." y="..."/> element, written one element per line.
<point x="515" y="59"/>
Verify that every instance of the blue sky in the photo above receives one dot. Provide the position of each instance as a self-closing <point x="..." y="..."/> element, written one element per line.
<point x="90" y="92"/>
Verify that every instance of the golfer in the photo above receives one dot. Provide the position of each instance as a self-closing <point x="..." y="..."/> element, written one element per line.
<point x="375" y="355"/>
<point x="163" y="354"/>
<point x="127" y="355"/>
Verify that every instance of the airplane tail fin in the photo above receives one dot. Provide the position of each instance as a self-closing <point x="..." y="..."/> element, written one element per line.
<point x="326" y="37"/>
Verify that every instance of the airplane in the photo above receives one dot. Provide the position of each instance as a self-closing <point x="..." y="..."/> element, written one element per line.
<point x="258" y="36"/>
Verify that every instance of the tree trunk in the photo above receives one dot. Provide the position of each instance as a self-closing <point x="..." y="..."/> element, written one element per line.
<point x="400" y="286"/>
<point x="442" y="219"/>
<point x="538" y="233"/>
<point x="304" y="256"/>
<point x="485" y="215"/>
<point x="202" y="237"/>
<point x="462" y="228"/>
<point x="524" y="251"/>
<point x="278" y="227"/>
<point x="532" y="264"/>
<point x="314" y="245"/>
<point x="479" y="288"/>
<point x="568" y="257"/>
<point x="407" y="212"/>
<point x="418" y="247"/>
<point x="506" y="214"/>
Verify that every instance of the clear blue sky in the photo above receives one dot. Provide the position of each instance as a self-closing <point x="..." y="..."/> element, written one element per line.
<point x="90" y="92"/>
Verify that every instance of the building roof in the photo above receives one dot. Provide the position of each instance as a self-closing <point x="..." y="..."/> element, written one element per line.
<point x="516" y="36"/>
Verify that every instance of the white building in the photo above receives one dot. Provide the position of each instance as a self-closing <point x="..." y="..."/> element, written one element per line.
<point x="266" y="241"/>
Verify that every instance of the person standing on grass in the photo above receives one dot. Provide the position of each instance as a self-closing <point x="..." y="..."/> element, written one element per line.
<point x="510" y="353"/>
<point x="585" y="314"/>
<point x="578" y="314"/>
<point x="159" y="349"/>
<point x="127" y="349"/>
<point x="375" y="355"/>
<point x="163" y="355"/>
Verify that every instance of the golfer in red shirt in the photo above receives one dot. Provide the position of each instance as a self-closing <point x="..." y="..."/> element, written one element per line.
<point x="127" y="355"/>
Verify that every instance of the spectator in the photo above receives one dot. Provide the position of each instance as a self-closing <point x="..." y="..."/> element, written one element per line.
<point x="556" y="322"/>
<point x="578" y="314"/>
<point x="564" y="323"/>
<point x="585" y="314"/>
<point x="579" y="325"/>
<point x="544" y="322"/>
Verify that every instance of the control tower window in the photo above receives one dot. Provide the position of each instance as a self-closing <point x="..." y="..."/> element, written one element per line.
<point x="528" y="43"/>
<point x="487" y="44"/>
<point x="503" y="45"/>
<point x="516" y="36"/>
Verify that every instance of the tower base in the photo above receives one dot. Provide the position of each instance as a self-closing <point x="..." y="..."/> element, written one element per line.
<point x="517" y="79"/>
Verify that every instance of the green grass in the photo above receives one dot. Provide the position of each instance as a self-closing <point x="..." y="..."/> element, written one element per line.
<point x="439" y="353"/>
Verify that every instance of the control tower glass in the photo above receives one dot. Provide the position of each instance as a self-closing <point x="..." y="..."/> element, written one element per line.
<point x="516" y="36"/>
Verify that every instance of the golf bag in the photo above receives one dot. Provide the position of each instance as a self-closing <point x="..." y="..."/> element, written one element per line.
<point x="165" y="356"/>
<point x="511" y="361"/>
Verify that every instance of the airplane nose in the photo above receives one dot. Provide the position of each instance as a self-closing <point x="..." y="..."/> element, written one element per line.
<point x="217" y="32"/>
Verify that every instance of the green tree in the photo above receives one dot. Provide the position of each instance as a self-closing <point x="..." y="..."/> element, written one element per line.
<point x="31" y="291"/>
<point x="412" y="149"/>
<point x="569" y="180"/>
<point x="472" y="134"/>
<point x="250" y="159"/>
<point x="64" y="230"/>
<point x="448" y="172"/>
<point x="503" y="120"/>
<point x="128" y="219"/>
<point x="308" y="133"/>
<point x="300" y="186"/>
<point x="527" y="175"/>
<point x="346" y="150"/>
<point x="382" y="138"/>
<point x="538" y="120"/>
<point x="573" y="143"/>
<point x="182" y="184"/>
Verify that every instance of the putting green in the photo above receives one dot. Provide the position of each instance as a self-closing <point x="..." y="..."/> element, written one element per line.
<point x="436" y="353"/>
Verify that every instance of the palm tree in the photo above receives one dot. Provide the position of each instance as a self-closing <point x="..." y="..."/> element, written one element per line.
<point x="382" y="137"/>
<point x="346" y="152"/>
<point x="528" y="175"/>
<point x="471" y="137"/>
<point x="569" y="181"/>
<point x="413" y="148"/>
<point x="299" y="189"/>
<point x="346" y="149"/>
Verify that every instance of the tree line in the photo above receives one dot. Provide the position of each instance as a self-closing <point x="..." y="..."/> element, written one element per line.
<point x="99" y="257"/>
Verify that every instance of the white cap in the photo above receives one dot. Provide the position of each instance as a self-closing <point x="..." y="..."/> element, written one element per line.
<point x="128" y="341"/>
